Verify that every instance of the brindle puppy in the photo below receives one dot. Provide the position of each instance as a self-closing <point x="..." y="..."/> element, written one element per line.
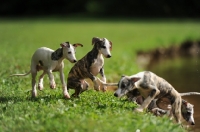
<point x="89" y="67"/>
<point x="162" y="106"/>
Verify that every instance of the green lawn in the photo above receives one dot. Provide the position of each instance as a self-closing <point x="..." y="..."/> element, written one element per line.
<point x="94" y="111"/>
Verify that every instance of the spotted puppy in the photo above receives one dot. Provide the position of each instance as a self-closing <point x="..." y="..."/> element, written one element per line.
<point x="150" y="87"/>
<point x="90" y="66"/>
<point x="50" y="61"/>
<point x="162" y="106"/>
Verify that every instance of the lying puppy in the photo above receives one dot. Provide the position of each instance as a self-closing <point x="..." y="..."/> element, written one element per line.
<point x="162" y="105"/>
<point x="150" y="87"/>
<point x="90" y="66"/>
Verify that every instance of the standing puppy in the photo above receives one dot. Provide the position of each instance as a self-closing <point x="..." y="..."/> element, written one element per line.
<point x="90" y="66"/>
<point x="50" y="61"/>
<point x="150" y="87"/>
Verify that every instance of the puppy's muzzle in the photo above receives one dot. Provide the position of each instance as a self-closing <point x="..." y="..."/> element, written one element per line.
<point x="115" y="94"/>
<point x="192" y="123"/>
<point x="108" y="56"/>
<point x="75" y="61"/>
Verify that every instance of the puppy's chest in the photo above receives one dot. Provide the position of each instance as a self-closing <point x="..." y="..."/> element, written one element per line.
<point x="58" y="66"/>
<point x="97" y="65"/>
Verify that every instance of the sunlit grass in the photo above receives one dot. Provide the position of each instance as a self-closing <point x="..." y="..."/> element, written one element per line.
<point x="94" y="111"/>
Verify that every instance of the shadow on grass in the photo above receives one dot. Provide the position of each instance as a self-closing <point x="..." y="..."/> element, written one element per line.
<point x="9" y="98"/>
<point x="15" y="99"/>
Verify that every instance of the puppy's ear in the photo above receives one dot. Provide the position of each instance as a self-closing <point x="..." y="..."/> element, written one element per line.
<point x="185" y="102"/>
<point x="95" y="40"/>
<point x="65" y="44"/>
<point x="123" y="76"/>
<point x="110" y="45"/>
<point x="77" y="44"/>
<point x="135" y="79"/>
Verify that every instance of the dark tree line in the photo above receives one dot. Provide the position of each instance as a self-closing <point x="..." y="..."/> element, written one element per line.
<point x="135" y="8"/>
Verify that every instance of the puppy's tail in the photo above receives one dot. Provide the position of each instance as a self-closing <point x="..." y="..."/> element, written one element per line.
<point x="189" y="93"/>
<point x="107" y="84"/>
<point x="25" y="74"/>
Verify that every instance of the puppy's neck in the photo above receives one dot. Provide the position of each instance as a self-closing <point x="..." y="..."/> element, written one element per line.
<point x="94" y="52"/>
<point x="57" y="55"/>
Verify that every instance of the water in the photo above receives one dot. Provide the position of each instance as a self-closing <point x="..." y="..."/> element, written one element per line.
<point x="184" y="75"/>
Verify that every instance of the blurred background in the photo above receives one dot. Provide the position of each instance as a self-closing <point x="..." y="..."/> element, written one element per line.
<point x="133" y="8"/>
<point x="158" y="35"/>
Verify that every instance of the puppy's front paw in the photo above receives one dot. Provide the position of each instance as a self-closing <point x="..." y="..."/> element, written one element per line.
<point x="138" y="110"/>
<point x="40" y="86"/>
<point x="96" y="87"/>
<point x="53" y="85"/>
<point x="66" y="95"/>
<point x="104" y="89"/>
<point x="75" y="95"/>
<point x="34" y="94"/>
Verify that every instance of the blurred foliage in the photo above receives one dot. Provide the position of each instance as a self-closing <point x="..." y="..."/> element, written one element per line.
<point x="136" y="8"/>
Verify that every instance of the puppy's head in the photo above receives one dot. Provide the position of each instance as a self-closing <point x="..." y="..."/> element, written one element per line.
<point x="103" y="45"/>
<point x="125" y="85"/>
<point x="69" y="51"/>
<point x="187" y="111"/>
<point x="133" y="95"/>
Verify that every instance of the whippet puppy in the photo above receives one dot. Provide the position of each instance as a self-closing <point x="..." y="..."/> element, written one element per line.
<point x="162" y="106"/>
<point x="90" y="66"/>
<point x="150" y="87"/>
<point x="50" y="61"/>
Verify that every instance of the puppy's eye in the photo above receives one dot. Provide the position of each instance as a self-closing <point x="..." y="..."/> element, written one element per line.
<point x="103" y="47"/>
<point x="123" y="85"/>
<point x="69" y="52"/>
<point x="188" y="113"/>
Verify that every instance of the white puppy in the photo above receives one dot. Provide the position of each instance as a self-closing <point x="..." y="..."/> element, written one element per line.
<point x="50" y="61"/>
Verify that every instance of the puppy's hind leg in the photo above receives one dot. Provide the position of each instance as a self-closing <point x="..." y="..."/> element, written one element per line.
<point x="34" y="74"/>
<point x="40" y="84"/>
<point x="51" y="79"/>
<point x="74" y="84"/>
<point x="81" y="87"/>
<point x="77" y="92"/>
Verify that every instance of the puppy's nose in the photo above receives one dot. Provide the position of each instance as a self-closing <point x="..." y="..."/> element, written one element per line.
<point x="108" y="56"/>
<point x="192" y="123"/>
<point x="75" y="61"/>
<point x="115" y="94"/>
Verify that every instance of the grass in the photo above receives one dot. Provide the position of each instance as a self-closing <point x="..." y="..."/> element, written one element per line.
<point x="94" y="111"/>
